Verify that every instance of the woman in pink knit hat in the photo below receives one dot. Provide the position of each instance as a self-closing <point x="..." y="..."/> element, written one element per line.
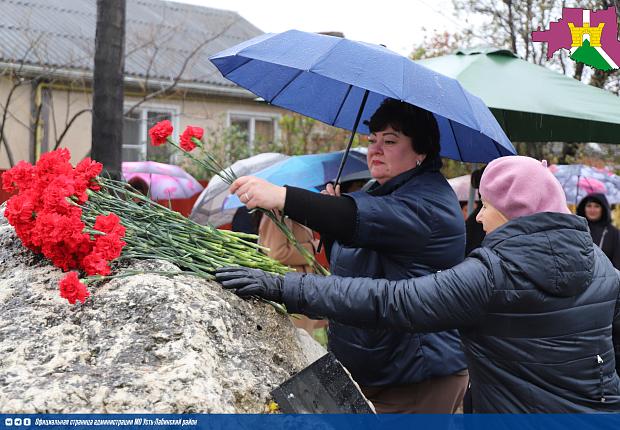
<point x="537" y="305"/>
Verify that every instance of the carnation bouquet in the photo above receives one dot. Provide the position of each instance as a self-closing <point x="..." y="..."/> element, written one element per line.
<point x="82" y="222"/>
<point x="190" y="139"/>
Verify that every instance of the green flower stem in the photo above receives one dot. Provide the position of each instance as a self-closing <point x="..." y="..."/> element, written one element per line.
<point x="215" y="168"/>
<point x="157" y="232"/>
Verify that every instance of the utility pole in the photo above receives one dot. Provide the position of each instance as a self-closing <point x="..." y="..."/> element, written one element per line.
<point x="107" y="127"/>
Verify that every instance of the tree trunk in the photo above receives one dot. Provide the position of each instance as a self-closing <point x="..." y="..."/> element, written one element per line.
<point x="107" y="127"/>
<point x="578" y="71"/>
<point x="599" y="78"/>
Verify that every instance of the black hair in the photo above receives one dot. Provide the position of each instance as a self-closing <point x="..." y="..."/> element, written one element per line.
<point x="476" y="176"/>
<point x="417" y="123"/>
<point x="139" y="184"/>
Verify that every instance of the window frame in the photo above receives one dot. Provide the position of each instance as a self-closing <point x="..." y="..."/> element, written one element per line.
<point x="253" y="116"/>
<point x="143" y="109"/>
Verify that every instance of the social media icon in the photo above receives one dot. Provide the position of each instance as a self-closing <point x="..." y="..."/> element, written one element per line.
<point x="27" y="421"/>
<point x="8" y="422"/>
<point x="17" y="421"/>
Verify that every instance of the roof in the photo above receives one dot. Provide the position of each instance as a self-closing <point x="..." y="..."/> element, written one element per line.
<point x="160" y="36"/>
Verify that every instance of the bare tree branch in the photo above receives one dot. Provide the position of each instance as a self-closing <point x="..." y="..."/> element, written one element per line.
<point x="6" y="112"/>
<point x="9" y="153"/>
<point x="169" y="88"/>
<point x="68" y="126"/>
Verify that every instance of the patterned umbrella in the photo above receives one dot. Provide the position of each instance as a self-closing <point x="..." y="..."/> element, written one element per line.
<point x="579" y="180"/>
<point x="461" y="186"/>
<point x="166" y="181"/>
<point x="208" y="208"/>
<point x="308" y="171"/>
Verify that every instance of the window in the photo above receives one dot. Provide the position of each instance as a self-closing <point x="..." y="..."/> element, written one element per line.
<point x="260" y="129"/>
<point x="136" y="142"/>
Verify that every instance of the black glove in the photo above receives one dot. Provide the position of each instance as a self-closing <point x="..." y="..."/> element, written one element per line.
<point x="251" y="282"/>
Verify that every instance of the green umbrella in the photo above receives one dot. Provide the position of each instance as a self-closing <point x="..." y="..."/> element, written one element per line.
<point x="531" y="102"/>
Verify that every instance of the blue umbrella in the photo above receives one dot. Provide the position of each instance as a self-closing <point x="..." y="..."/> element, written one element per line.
<point x="339" y="82"/>
<point x="306" y="171"/>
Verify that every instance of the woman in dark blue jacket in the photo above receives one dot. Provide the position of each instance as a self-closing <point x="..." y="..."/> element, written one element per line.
<point x="537" y="305"/>
<point x="408" y="225"/>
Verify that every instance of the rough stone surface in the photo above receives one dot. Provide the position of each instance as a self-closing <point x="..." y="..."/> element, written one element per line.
<point x="144" y="343"/>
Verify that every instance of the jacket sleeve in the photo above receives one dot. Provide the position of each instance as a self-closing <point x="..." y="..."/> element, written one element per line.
<point x="615" y="258"/>
<point x="616" y="329"/>
<point x="383" y="221"/>
<point x="454" y="298"/>
<point x="280" y="248"/>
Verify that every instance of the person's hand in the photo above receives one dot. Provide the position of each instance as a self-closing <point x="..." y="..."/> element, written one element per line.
<point x="255" y="192"/>
<point x="331" y="191"/>
<point x="251" y="282"/>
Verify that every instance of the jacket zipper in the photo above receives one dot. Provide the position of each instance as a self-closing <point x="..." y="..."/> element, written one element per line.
<point x="600" y="244"/>
<point x="599" y="360"/>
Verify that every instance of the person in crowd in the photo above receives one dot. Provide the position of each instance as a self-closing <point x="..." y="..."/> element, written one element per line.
<point x="538" y="305"/>
<point x="354" y="181"/>
<point x="140" y="185"/>
<point x="280" y="249"/>
<point x="245" y="222"/>
<point x="595" y="209"/>
<point x="409" y="224"/>
<point x="474" y="233"/>
<point x="270" y="236"/>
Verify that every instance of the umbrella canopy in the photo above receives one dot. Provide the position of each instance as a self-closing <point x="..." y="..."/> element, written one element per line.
<point x="307" y="171"/>
<point x="165" y="181"/>
<point x="461" y="186"/>
<point x="208" y="208"/>
<point x="579" y="180"/>
<point x="330" y="78"/>
<point x="531" y="102"/>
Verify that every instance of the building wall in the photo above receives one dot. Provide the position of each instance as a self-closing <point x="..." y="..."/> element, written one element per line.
<point x="61" y="102"/>
<point x="16" y="131"/>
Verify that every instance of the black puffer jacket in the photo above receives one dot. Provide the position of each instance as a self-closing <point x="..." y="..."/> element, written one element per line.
<point x="604" y="234"/>
<point x="537" y="307"/>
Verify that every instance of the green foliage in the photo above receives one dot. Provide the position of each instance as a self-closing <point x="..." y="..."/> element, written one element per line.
<point x="298" y="135"/>
<point x="320" y="335"/>
<point x="441" y="43"/>
<point x="303" y="135"/>
<point x="453" y="168"/>
<point x="225" y="144"/>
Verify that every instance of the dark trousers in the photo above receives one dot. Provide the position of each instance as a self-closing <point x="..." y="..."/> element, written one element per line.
<point x="440" y="395"/>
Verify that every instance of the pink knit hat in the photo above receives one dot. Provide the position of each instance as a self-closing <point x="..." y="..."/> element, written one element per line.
<point x="519" y="186"/>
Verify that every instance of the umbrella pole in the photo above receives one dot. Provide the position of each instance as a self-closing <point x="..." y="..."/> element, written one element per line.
<point x="471" y="198"/>
<point x="346" y="151"/>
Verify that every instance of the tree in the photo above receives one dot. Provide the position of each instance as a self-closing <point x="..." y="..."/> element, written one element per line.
<point x="107" y="130"/>
<point x="441" y="43"/>
<point x="509" y="23"/>
<point x="61" y="102"/>
<point x="27" y="83"/>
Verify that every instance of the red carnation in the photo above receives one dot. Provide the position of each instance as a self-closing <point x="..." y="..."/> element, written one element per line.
<point x="160" y="132"/>
<point x="109" y="246"/>
<point x="72" y="289"/>
<point x="96" y="264"/>
<point x="85" y="177"/>
<point x="110" y="223"/>
<point x="52" y="165"/>
<point x="186" y="138"/>
<point x="18" y="177"/>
